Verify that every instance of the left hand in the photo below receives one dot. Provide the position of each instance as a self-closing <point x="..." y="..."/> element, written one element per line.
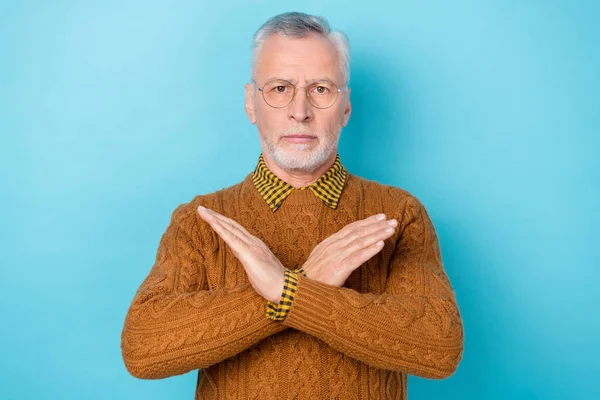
<point x="264" y="270"/>
<point x="335" y="258"/>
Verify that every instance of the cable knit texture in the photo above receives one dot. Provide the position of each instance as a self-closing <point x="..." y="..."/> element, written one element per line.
<point x="395" y="315"/>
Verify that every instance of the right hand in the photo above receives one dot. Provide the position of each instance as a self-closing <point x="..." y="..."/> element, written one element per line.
<point x="334" y="259"/>
<point x="265" y="272"/>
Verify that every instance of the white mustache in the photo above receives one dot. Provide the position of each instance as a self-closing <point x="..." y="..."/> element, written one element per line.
<point x="298" y="129"/>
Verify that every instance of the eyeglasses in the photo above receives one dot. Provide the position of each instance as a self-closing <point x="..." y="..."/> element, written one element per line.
<point x="279" y="93"/>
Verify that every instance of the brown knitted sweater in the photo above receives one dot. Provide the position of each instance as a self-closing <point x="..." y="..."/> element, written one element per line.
<point x="396" y="314"/>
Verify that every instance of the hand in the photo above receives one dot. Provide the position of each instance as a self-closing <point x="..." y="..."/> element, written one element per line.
<point x="264" y="270"/>
<point x="334" y="259"/>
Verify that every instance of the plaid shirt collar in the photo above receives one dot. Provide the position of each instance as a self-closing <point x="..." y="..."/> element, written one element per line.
<point x="273" y="190"/>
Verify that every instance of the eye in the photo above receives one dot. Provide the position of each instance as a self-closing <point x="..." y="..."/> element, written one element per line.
<point x="320" y="89"/>
<point x="279" y="88"/>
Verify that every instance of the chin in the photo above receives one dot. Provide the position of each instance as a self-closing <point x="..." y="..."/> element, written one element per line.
<point x="300" y="148"/>
<point x="299" y="158"/>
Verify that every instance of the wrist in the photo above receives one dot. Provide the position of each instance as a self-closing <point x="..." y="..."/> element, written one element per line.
<point x="301" y="271"/>
<point x="277" y="310"/>
<point x="278" y="288"/>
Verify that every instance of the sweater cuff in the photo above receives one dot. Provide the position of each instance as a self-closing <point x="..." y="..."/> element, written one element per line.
<point x="311" y="310"/>
<point x="278" y="312"/>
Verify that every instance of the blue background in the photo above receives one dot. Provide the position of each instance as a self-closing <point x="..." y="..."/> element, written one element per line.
<point x="113" y="113"/>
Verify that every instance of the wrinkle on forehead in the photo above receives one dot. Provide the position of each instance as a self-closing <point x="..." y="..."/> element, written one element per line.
<point x="310" y="59"/>
<point x="307" y="81"/>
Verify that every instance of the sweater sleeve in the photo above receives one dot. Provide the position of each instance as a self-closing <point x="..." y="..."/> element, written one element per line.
<point x="414" y="326"/>
<point x="174" y="325"/>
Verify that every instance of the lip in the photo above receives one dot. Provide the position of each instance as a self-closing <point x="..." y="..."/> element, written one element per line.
<point x="299" y="138"/>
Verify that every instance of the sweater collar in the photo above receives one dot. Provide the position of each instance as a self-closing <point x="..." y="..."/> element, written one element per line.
<point x="274" y="190"/>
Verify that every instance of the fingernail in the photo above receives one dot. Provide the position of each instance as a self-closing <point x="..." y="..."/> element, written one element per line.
<point x="392" y="222"/>
<point x="380" y="217"/>
<point x="390" y="230"/>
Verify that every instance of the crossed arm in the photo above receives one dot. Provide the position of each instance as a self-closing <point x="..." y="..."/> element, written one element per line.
<point x="414" y="326"/>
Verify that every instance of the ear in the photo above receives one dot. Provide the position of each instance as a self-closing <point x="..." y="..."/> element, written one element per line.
<point x="347" y="109"/>
<point x="250" y="112"/>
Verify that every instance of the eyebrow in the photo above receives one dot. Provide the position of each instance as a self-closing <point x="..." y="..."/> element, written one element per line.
<point x="308" y="81"/>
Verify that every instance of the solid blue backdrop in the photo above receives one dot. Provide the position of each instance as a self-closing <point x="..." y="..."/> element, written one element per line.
<point x="113" y="113"/>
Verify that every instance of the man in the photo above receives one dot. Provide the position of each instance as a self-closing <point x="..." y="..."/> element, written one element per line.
<point x="303" y="281"/>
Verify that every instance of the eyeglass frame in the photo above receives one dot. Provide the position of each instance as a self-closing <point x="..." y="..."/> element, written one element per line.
<point x="260" y="89"/>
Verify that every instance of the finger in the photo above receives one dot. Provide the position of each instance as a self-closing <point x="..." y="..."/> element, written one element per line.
<point x="379" y="229"/>
<point x="344" y="248"/>
<point x="230" y="224"/>
<point x="366" y="221"/>
<point x="366" y="242"/>
<point x="358" y="231"/>
<point x="373" y="219"/>
<point x="228" y="235"/>
<point x="352" y="231"/>
<point x="357" y="258"/>
<point x="238" y="245"/>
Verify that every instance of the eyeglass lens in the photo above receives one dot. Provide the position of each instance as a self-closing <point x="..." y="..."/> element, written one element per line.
<point x="279" y="93"/>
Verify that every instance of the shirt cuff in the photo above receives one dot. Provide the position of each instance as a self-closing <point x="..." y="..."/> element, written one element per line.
<point x="278" y="312"/>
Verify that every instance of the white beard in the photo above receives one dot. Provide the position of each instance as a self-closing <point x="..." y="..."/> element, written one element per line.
<point x="299" y="157"/>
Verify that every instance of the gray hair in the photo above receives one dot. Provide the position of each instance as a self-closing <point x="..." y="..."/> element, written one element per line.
<point x="299" y="25"/>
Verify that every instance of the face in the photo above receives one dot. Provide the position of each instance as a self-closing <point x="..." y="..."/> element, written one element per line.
<point x="298" y="137"/>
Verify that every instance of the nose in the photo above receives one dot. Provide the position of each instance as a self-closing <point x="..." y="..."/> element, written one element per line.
<point x="300" y="109"/>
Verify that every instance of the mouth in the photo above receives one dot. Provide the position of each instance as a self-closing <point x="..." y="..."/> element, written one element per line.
<point x="299" y="138"/>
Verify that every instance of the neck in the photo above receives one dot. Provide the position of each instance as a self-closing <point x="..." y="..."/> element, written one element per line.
<point x="298" y="179"/>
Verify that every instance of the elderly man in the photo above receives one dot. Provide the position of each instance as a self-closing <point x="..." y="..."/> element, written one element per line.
<point x="302" y="281"/>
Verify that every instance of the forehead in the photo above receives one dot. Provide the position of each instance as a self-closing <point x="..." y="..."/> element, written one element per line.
<point x="309" y="58"/>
